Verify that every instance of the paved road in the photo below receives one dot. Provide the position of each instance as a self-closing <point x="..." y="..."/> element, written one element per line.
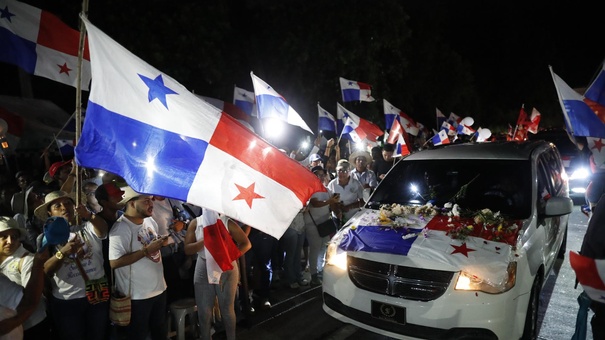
<point x="307" y="320"/>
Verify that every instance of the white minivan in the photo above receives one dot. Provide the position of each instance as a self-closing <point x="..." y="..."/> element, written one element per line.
<point x="454" y="243"/>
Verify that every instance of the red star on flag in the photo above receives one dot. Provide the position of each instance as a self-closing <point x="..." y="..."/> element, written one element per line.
<point x="598" y="144"/>
<point x="247" y="194"/>
<point x="462" y="249"/>
<point x="64" y="69"/>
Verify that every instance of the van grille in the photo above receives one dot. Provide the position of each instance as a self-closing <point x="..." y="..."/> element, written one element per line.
<point x="398" y="281"/>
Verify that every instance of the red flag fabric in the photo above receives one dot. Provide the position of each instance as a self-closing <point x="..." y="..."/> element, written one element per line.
<point x="591" y="275"/>
<point x="218" y="241"/>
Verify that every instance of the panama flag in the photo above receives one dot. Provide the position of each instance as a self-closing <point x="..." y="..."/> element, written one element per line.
<point x="364" y="129"/>
<point x="355" y="91"/>
<point x="580" y="118"/>
<point x="41" y="44"/>
<point x="596" y="90"/>
<point x="351" y="129"/>
<point x="272" y="105"/>
<point x="325" y="120"/>
<point x="440" y="117"/>
<point x="163" y="140"/>
<point x="597" y="148"/>
<point x="245" y="100"/>
<point x="401" y="148"/>
<point x="66" y="147"/>
<point x="390" y="113"/>
<point x="591" y="275"/>
<point x="454" y="119"/>
<point x="219" y="248"/>
<point x="440" y="138"/>
<point x="449" y="128"/>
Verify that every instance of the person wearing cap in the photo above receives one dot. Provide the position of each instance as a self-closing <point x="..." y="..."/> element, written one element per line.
<point x="383" y="164"/>
<point x="349" y="189"/>
<point x="360" y="160"/>
<point x="73" y="265"/>
<point x="35" y="196"/>
<point x="16" y="264"/>
<point x="319" y="207"/>
<point x="60" y="172"/>
<point x="135" y="258"/>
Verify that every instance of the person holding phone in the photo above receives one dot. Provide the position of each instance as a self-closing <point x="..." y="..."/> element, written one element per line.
<point x="134" y="255"/>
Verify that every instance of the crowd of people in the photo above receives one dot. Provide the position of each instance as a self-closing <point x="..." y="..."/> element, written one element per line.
<point x="152" y="248"/>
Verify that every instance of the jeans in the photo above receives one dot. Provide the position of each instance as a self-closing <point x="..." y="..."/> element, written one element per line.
<point x="148" y="317"/>
<point x="77" y="319"/>
<point x="292" y="243"/>
<point x="206" y="294"/>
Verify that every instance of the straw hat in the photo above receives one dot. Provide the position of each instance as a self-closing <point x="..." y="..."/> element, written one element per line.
<point x="41" y="212"/>
<point x="128" y="195"/>
<point x="360" y="153"/>
<point x="8" y="223"/>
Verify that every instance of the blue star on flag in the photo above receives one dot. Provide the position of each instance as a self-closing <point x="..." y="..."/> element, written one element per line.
<point x="157" y="89"/>
<point x="4" y="13"/>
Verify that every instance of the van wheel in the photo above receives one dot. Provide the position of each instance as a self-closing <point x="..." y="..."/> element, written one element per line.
<point x="563" y="249"/>
<point x="530" y="332"/>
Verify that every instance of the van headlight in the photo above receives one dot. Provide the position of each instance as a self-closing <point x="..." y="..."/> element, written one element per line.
<point x="467" y="281"/>
<point x="335" y="257"/>
<point x="581" y="173"/>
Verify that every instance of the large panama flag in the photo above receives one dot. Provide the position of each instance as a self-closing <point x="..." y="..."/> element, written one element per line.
<point x="162" y="139"/>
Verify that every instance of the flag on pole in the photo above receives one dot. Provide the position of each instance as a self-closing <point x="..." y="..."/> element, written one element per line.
<point x="398" y="136"/>
<point x="440" y="117"/>
<point x="245" y="100"/>
<point x="364" y="128"/>
<point x="325" y="120"/>
<point x="66" y="147"/>
<point x="591" y="275"/>
<point x="391" y="113"/>
<point x="219" y="248"/>
<point x="163" y="140"/>
<point x="453" y="119"/>
<point x="596" y="91"/>
<point x="401" y="148"/>
<point x="449" y="129"/>
<point x="580" y="118"/>
<point x="352" y="131"/>
<point x="534" y="121"/>
<point x="406" y="122"/>
<point x="271" y="104"/>
<point x="355" y="91"/>
<point x="41" y="44"/>
<point x="440" y="138"/>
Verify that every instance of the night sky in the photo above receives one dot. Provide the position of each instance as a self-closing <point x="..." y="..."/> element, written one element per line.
<point x="508" y="44"/>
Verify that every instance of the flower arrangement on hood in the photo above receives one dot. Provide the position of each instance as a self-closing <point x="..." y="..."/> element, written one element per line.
<point x="394" y="214"/>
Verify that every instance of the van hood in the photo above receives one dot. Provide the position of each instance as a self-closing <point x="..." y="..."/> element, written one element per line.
<point x="482" y="244"/>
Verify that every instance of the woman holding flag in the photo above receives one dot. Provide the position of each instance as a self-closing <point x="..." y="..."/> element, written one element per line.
<point x="216" y="272"/>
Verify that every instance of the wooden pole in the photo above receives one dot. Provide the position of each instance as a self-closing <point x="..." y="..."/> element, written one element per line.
<point x="83" y="14"/>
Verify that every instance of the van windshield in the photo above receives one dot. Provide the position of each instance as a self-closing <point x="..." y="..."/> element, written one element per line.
<point x="500" y="185"/>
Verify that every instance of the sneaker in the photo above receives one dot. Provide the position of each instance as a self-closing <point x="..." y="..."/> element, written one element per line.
<point x="265" y="305"/>
<point x="303" y="282"/>
<point x="294" y="285"/>
<point x="315" y="281"/>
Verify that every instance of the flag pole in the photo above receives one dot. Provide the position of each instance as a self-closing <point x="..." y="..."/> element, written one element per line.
<point x="54" y="136"/>
<point x="78" y="113"/>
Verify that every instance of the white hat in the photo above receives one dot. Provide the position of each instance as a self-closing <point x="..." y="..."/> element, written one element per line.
<point x="128" y="195"/>
<point x="314" y="157"/>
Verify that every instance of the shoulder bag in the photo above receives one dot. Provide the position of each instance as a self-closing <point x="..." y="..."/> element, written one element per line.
<point x="120" y="304"/>
<point x="326" y="228"/>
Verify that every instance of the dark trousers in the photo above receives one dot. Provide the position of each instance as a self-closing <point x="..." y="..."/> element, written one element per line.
<point x="598" y="320"/>
<point x="77" y="319"/>
<point x="263" y="247"/>
<point x="148" y="317"/>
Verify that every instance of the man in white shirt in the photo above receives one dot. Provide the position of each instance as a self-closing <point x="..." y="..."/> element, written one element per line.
<point x="134" y="255"/>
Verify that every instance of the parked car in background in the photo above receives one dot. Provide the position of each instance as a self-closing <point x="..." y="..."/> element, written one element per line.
<point x="455" y="243"/>
<point x="575" y="161"/>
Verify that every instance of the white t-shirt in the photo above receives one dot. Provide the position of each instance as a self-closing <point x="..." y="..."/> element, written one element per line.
<point x="348" y="194"/>
<point x="145" y="277"/>
<point x="67" y="281"/>
<point x="9" y="300"/>
<point x="321" y="214"/>
<point x="20" y="276"/>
